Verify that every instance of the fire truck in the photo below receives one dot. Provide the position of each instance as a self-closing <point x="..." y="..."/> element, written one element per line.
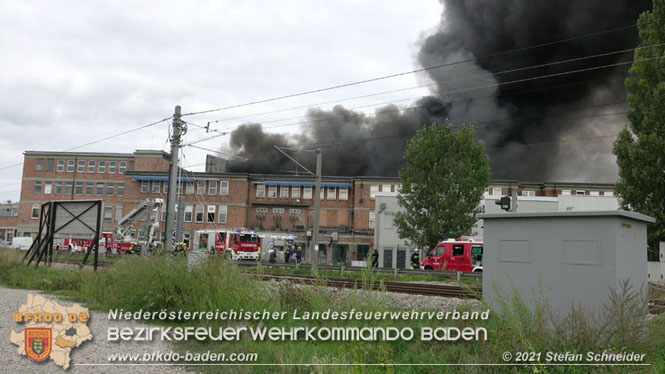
<point x="124" y="239"/>
<point x="460" y="254"/>
<point x="241" y="244"/>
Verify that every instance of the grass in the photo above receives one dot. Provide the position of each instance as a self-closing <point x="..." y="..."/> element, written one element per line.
<point x="155" y="284"/>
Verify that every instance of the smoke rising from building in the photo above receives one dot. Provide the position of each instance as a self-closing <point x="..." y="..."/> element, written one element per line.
<point x="506" y="115"/>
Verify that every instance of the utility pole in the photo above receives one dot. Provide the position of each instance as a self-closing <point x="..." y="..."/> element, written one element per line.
<point x="317" y="208"/>
<point x="179" y="129"/>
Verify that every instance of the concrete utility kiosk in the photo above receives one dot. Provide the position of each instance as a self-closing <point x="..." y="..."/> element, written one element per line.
<point x="577" y="257"/>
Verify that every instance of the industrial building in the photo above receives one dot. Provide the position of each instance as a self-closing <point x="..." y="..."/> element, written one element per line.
<point x="217" y="199"/>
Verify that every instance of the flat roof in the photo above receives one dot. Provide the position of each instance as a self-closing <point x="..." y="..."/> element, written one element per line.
<point x="589" y="213"/>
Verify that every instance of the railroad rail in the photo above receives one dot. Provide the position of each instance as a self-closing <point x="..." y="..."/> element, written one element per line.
<point x="356" y="269"/>
<point x="411" y="288"/>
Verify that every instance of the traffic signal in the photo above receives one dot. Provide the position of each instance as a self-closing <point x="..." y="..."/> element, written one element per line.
<point x="504" y="202"/>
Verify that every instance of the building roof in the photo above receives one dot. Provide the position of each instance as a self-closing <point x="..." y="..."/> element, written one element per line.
<point x="589" y="213"/>
<point x="74" y="154"/>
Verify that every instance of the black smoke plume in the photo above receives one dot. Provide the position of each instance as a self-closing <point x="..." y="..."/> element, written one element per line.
<point x="554" y="113"/>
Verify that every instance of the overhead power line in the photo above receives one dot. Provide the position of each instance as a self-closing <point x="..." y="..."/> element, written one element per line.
<point x="491" y="74"/>
<point x="411" y="71"/>
<point x="101" y="139"/>
<point x="466" y="89"/>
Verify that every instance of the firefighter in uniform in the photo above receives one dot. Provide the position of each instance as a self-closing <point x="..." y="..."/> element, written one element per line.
<point x="415" y="260"/>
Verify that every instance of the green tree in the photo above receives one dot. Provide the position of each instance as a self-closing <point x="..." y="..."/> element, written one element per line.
<point x="640" y="151"/>
<point x="443" y="181"/>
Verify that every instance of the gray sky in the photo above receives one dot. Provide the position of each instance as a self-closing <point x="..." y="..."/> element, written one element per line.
<point x="78" y="71"/>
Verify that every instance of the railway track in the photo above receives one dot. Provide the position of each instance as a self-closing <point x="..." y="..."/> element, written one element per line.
<point x="390" y="286"/>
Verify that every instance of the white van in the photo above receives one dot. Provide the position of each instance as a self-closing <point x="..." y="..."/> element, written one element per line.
<point x="23" y="243"/>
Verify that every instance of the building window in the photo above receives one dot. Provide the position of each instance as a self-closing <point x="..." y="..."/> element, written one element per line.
<point x="283" y="192"/>
<point x="108" y="213"/>
<point x="99" y="191"/>
<point x="201" y="187"/>
<point x="110" y="189"/>
<point x="101" y="167"/>
<point x="112" y="167"/>
<point x="223" y="210"/>
<point x="35" y="211"/>
<point x="61" y="166"/>
<point x="580" y="193"/>
<point x="145" y="186"/>
<point x="322" y="195"/>
<point x="118" y="213"/>
<point x="156" y="186"/>
<point x="295" y="192"/>
<point x="272" y="192"/>
<point x="91" y="166"/>
<point x="189" y="211"/>
<point x="387" y="188"/>
<point x="88" y="188"/>
<point x="178" y="188"/>
<point x="566" y="192"/>
<point x="121" y="189"/>
<point x="58" y="188"/>
<point x="608" y="193"/>
<point x="372" y="219"/>
<point x="260" y="190"/>
<point x="40" y="164"/>
<point x="122" y="167"/>
<point x="373" y="189"/>
<point x="343" y="193"/>
<point x="212" y="187"/>
<point x="79" y="188"/>
<point x="528" y="193"/>
<point x="68" y="188"/>
<point x="49" y="164"/>
<point x="70" y="166"/>
<point x="166" y="188"/>
<point x="332" y="193"/>
<point x="81" y="167"/>
<point x="277" y="210"/>
<point x="189" y="188"/>
<point x="131" y="165"/>
<point x="496" y="191"/>
<point x="48" y="187"/>
<point x="307" y="193"/>
<point x="38" y="187"/>
<point x="224" y="188"/>
<point x="261" y="210"/>
<point x="211" y="213"/>
<point x="294" y="211"/>
<point x="199" y="213"/>
<point x="594" y="193"/>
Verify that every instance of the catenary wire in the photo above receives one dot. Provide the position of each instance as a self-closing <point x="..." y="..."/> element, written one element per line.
<point x="413" y="71"/>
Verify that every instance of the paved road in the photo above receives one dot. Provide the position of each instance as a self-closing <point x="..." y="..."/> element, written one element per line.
<point x="95" y="351"/>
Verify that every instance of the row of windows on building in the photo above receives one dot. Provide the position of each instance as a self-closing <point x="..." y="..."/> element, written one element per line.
<point x="374" y="188"/>
<point x="205" y="214"/>
<point x="79" y="188"/>
<point x="84" y="166"/>
<point x="211" y="187"/>
<point x="328" y="193"/>
<point x="498" y="191"/>
<point x="292" y="211"/>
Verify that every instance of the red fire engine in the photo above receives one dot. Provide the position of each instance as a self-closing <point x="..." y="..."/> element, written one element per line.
<point x="241" y="244"/>
<point x="455" y="255"/>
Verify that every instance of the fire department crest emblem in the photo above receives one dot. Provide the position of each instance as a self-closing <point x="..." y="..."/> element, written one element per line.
<point x="38" y="343"/>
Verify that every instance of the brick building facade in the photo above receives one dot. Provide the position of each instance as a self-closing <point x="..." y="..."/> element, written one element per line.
<point x="261" y="202"/>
